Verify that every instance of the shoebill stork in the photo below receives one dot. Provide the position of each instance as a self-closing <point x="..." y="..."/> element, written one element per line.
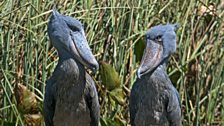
<point x="71" y="98"/>
<point x="154" y="101"/>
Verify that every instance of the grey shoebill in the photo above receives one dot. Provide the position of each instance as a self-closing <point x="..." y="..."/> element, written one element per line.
<point x="71" y="98"/>
<point x="154" y="101"/>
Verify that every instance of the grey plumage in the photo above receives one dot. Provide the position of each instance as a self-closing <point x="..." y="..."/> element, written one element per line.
<point x="154" y="101"/>
<point x="71" y="98"/>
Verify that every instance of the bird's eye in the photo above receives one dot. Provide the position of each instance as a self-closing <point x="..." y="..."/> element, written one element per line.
<point x="158" y="39"/>
<point x="73" y="28"/>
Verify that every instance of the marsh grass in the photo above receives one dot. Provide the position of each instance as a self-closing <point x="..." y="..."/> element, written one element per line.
<point x="115" y="32"/>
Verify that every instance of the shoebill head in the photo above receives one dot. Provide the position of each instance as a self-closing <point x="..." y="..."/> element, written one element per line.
<point x="68" y="37"/>
<point x="160" y="44"/>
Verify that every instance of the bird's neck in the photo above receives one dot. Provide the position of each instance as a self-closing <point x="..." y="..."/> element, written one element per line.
<point x="64" y="55"/>
<point x="69" y="68"/>
<point x="70" y="78"/>
<point x="160" y="69"/>
<point x="155" y="79"/>
<point x="162" y="66"/>
<point x="68" y="63"/>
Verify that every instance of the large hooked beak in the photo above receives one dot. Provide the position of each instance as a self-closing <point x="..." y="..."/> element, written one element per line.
<point x="151" y="58"/>
<point x="81" y="50"/>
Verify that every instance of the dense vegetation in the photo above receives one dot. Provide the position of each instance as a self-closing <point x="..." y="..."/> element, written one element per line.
<point x="115" y="32"/>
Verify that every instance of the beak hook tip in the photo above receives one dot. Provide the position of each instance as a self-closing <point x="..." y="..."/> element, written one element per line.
<point x="95" y="68"/>
<point x="139" y="74"/>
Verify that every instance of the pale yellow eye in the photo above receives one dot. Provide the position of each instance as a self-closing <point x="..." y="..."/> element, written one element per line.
<point x="158" y="39"/>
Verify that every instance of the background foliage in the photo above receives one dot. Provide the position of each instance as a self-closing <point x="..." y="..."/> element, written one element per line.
<point x="115" y="31"/>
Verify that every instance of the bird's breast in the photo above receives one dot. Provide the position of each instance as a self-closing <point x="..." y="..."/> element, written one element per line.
<point x="152" y="102"/>
<point x="71" y="108"/>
